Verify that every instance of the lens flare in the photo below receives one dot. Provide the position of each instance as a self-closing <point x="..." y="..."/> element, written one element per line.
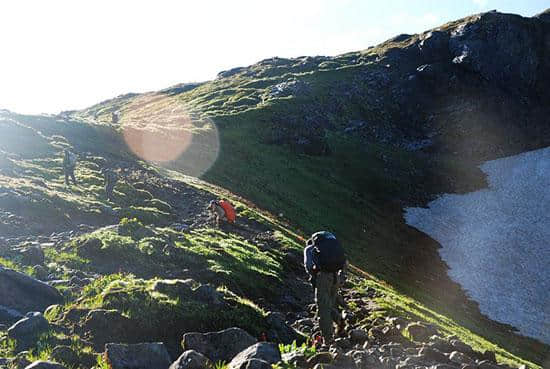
<point x="158" y="129"/>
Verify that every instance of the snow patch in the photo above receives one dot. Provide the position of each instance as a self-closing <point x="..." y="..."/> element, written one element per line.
<point x="496" y="241"/>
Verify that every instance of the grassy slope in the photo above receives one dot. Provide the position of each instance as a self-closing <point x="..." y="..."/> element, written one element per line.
<point x="358" y="191"/>
<point x="269" y="183"/>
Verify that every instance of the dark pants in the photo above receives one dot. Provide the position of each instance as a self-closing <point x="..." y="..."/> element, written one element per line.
<point x="109" y="188"/>
<point x="69" y="172"/>
<point x="326" y="297"/>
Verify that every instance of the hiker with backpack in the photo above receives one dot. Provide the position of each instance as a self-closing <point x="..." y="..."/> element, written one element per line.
<point x="69" y="165"/>
<point x="324" y="261"/>
<point x="222" y="210"/>
<point x="111" y="179"/>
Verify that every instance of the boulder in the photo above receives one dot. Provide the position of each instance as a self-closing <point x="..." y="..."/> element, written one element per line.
<point x="279" y="331"/>
<point x="208" y="294"/>
<point x="23" y="293"/>
<point x="45" y="365"/>
<point x="191" y="359"/>
<point x="27" y="330"/>
<point x="254" y="364"/>
<point x="218" y="346"/>
<point x="264" y="351"/>
<point x="358" y="336"/>
<point x="460" y="358"/>
<point x="320" y="358"/>
<point x="420" y="332"/>
<point x="32" y="255"/>
<point x="462" y="347"/>
<point x="104" y="326"/>
<point x="65" y="355"/>
<point x="486" y="364"/>
<point x="440" y="344"/>
<point x="173" y="287"/>
<point x="9" y="316"/>
<point x="137" y="356"/>
<point x="433" y="354"/>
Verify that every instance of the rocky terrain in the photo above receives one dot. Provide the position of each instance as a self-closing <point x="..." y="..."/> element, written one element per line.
<point x="341" y="143"/>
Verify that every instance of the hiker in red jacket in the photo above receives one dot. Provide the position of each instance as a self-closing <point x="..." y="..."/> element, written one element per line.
<point x="222" y="209"/>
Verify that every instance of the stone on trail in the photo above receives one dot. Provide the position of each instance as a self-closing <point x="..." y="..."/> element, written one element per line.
<point x="420" y="332"/>
<point x="460" y="358"/>
<point x="191" y="359"/>
<point x="137" y="356"/>
<point x="23" y="293"/>
<point x="279" y="330"/>
<point x="320" y="358"/>
<point x="45" y="365"/>
<point x="264" y="351"/>
<point x="218" y="346"/>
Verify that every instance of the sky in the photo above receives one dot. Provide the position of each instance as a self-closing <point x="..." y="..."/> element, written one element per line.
<point x="64" y="54"/>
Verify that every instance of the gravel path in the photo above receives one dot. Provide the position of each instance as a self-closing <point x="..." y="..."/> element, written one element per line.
<point x="496" y="241"/>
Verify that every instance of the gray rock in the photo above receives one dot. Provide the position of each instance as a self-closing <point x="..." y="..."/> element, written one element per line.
<point x="460" y="358"/>
<point x="420" y="332"/>
<point x="254" y="364"/>
<point x="511" y="61"/>
<point x="137" y="356"/>
<point x="8" y="315"/>
<point x="462" y="347"/>
<point x="28" y="329"/>
<point x="433" y="354"/>
<point x="40" y="272"/>
<point x="485" y="364"/>
<point x="440" y="344"/>
<point x="434" y="45"/>
<point x="208" y="294"/>
<point x="23" y="293"/>
<point x="279" y="331"/>
<point x="174" y="287"/>
<point x="65" y="355"/>
<point x="104" y="326"/>
<point x="45" y="365"/>
<point x="320" y="358"/>
<point x="218" y="346"/>
<point x="33" y="255"/>
<point x="191" y="359"/>
<point x="268" y="352"/>
<point x="358" y="335"/>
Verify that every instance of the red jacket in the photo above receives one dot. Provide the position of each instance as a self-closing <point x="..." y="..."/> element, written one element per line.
<point x="229" y="211"/>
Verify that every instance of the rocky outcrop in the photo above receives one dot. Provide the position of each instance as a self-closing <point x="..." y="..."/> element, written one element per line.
<point x="138" y="356"/>
<point x="23" y="293"/>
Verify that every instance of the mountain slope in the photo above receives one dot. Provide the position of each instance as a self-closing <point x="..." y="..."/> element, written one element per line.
<point x="341" y="143"/>
<point x="346" y="142"/>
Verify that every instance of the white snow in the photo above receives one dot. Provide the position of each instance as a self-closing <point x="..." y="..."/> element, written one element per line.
<point x="496" y="241"/>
